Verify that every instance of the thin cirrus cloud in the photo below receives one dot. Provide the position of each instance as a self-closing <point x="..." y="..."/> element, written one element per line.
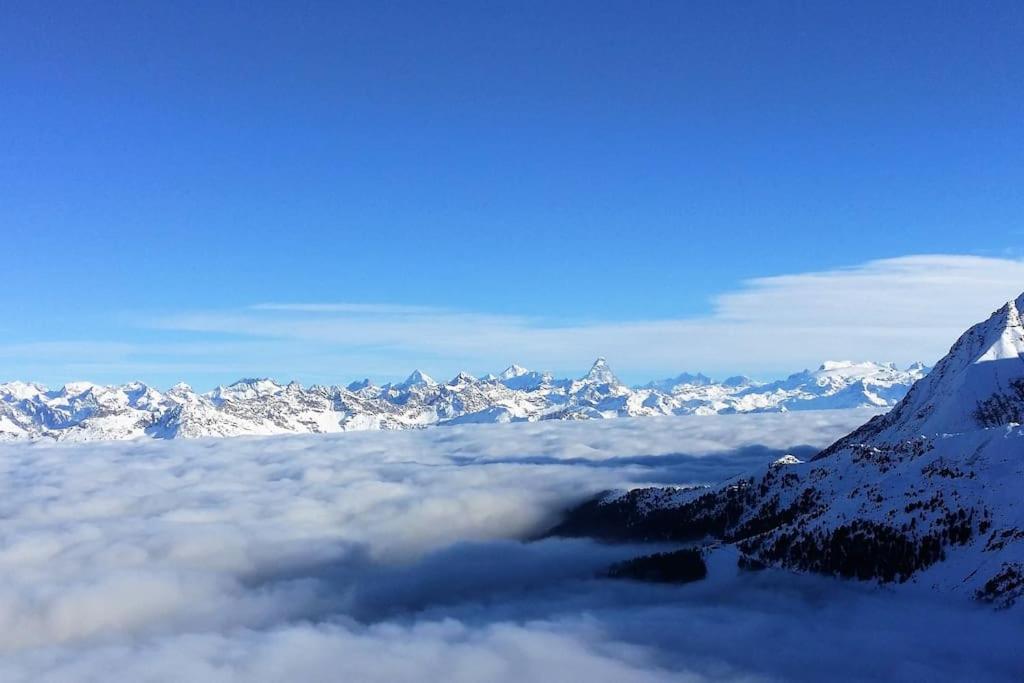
<point x="900" y="309"/>
<point x="351" y="308"/>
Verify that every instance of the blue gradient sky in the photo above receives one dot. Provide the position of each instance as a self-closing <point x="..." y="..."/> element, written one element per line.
<point x="601" y="163"/>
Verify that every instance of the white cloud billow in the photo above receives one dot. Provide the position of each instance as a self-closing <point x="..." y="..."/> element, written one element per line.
<point x="392" y="557"/>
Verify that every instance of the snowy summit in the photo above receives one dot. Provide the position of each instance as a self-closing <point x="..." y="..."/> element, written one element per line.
<point x="82" y="411"/>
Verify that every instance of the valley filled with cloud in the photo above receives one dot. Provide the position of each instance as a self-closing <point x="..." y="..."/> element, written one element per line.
<point x="384" y="556"/>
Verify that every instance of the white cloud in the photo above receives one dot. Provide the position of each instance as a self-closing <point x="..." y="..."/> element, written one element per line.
<point x="901" y="309"/>
<point x="150" y="537"/>
<point x="391" y="557"/>
<point x="442" y="651"/>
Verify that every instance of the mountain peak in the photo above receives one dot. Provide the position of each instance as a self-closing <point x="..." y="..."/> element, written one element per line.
<point x="255" y="383"/>
<point x="418" y="378"/>
<point x="22" y="390"/>
<point x="835" y="365"/>
<point x="72" y="388"/>
<point x="462" y="378"/>
<point x="513" y="371"/>
<point x="1004" y="337"/>
<point x="246" y="380"/>
<point x="245" y="388"/>
<point x="520" y="379"/>
<point x="600" y="373"/>
<point x="683" y="379"/>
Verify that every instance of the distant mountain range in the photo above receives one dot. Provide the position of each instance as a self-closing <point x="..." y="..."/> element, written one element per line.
<point x="929" y="492"/>
<point x="82" y="411"/>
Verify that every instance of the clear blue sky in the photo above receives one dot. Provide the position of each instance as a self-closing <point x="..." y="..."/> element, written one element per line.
<point x="589" y="161"/>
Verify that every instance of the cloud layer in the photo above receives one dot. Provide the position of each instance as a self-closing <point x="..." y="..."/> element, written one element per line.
<point x="901" y="309"/>
<point x="395" y="556"/>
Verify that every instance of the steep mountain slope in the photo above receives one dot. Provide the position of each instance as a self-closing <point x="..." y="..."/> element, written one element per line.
<point x="83" y="411"/>
<point x="927" y="493"/>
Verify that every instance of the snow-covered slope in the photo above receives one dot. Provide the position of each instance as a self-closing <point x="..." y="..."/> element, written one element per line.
<point x="84" y="411"/>
<point x="928" y="493"/>
<point x="835" y="384"/>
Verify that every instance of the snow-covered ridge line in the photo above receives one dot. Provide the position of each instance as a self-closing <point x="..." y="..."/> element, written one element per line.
<point x="85" y="412"/>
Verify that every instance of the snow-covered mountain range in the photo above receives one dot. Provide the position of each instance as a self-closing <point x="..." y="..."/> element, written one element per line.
<point x="928" y="493"/>
<point x="82" y="411"/>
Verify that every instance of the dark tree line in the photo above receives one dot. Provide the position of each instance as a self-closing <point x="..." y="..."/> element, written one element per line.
<point x="1002" y="409"/>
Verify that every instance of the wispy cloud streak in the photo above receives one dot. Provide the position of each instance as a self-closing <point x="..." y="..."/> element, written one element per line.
<point x="902" y="309"/>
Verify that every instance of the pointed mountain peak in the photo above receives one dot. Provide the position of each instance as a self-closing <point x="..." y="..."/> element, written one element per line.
<point x="513" y="371"/>
<point x="418" y="379"/>
<point x="462" y="378"/>
<point x="356" y="386"/>
<point x="73" y="388"/>
<point x="600" y="373"/>
<point x="1004" y="336"/>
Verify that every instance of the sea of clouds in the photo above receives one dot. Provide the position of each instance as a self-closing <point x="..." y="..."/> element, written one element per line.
<point x="406" y="556"/>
